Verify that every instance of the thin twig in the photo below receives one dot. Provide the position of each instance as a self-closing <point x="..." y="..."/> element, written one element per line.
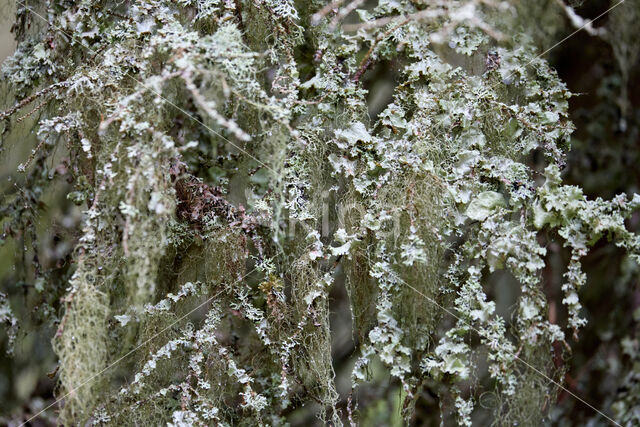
<point x="366" y="61"/>
<point x="381" y="22"/>
<point x="32" y="112"/>
<point x="31" y="98"/>
<point x="463" y="14"/>
<point x="344" y="12"/>
<point x="316" y="17"/>
<point x="579" y="22"/>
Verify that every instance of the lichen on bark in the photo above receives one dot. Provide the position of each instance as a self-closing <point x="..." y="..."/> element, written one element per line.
<point x="230" y="177"/>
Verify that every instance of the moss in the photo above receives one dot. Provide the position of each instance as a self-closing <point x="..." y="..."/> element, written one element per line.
<point x="232" y="179"/>
<point x="82" y="344"/>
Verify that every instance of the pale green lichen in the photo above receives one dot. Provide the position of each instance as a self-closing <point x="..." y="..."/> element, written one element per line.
<point x="167" y="109"/>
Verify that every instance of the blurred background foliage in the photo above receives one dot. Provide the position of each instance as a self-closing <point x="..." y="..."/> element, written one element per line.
<point x="604" y="161"/>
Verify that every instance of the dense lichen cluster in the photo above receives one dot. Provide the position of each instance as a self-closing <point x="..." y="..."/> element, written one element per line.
<point x="230" y="175"/>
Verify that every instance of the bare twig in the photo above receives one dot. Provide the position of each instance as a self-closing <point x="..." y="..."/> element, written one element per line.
<point x="316" y="17"/>
<point x="464" y="14"/>
<point x="579" y="22"/>
<point x="427" y="14"/>
<point x="32" y="112"/>
<point x="31" y="98"/>
<point x="366" y="61"/>
<point x="342" y="13"/>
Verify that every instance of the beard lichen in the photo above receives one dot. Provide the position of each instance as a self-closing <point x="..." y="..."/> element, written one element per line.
<point x="232" y="177"/>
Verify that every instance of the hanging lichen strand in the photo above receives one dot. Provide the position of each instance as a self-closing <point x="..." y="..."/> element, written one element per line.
<point x="231" y="175"/>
